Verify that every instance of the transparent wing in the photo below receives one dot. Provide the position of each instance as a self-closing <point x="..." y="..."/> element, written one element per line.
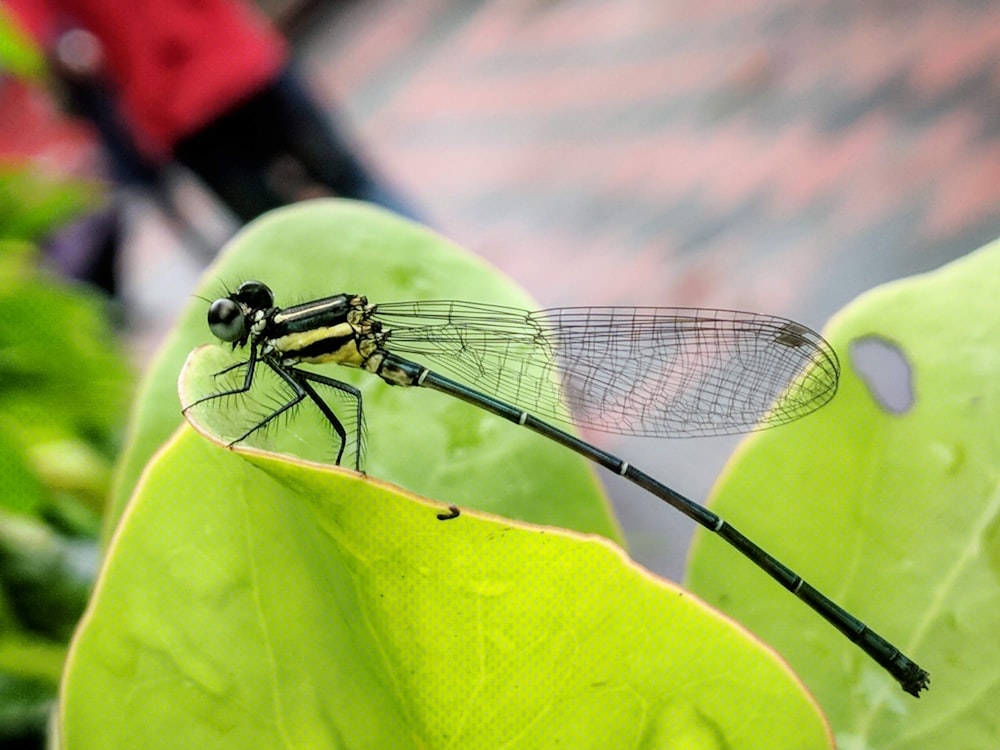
<point x="654" y="371"/>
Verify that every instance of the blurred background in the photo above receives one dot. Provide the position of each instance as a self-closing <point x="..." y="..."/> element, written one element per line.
<point x="774" y="156"/>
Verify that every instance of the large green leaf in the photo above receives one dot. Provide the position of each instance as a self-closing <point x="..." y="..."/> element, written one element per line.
<point x="890" y="503"/>
<point x="424" y="441"/>
<point x="249" y="600"/>
<point x="254" y="599"/>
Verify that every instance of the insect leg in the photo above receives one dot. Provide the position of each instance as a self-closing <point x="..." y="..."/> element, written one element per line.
<point x="302" y="376"/>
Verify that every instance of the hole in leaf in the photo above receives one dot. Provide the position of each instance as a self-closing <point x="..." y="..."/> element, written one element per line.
<point x="884" y="369"/>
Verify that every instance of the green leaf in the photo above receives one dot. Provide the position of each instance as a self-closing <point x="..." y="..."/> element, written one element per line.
<point x="22" y="491"/>
<point x="32" y="204"/>
<point x="889" y="502"/>
<point x="25" y="704"/>
<point x="19" y="54"/>
<point x="32" y="658"/>
<point x="63" y="375"/>
<point x="46" y="575"/>
<point x="426" y="442"/>
<point x="250" y="599"/>
<point x="253" y="601"/>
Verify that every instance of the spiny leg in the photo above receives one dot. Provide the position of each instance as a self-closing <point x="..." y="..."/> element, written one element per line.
<point x="338" y="427"/>
<point x="250" y="363"/>
<point x="297" y="389"/>
<point x="234" y="366"/>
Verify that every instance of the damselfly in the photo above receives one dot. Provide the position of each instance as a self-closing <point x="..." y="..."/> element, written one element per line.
<point x="652" y="371"/>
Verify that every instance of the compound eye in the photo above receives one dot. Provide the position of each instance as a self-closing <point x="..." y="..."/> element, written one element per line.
<point x="255" y="295"/>
<point x="226" y="320"/>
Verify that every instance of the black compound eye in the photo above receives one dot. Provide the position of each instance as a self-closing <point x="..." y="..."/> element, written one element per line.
<point x="255" y="295"/>
<point x="226" y="320"/>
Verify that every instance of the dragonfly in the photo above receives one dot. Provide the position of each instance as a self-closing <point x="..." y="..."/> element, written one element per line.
<point x="644" y="371"/>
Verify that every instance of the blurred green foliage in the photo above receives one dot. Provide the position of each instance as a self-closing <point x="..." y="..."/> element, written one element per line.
<point x="18" y="53"/>
<point x="32" y="204"/>
<point x="64" y="390"/>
